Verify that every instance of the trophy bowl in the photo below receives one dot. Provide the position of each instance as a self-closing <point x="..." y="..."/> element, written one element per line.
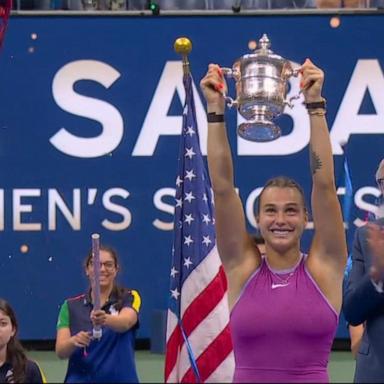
<point x="261" y="88"/>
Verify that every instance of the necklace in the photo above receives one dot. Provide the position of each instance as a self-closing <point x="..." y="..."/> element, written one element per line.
<point x="283" y="280"/>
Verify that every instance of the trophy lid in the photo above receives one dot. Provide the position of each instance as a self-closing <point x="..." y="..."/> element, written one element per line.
<point x="264" y="49"/>
<point x="263" y="53"/>
<point x="265" y="44"/>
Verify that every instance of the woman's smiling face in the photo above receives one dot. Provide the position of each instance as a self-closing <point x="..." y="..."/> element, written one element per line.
<point x="282" y="217"/>
<point x="108" y="269"/>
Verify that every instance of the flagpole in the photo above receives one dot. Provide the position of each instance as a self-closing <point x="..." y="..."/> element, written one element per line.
<point x="183" y="47"/>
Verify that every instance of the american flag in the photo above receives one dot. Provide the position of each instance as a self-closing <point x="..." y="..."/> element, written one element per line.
<point x="199" y="347"/>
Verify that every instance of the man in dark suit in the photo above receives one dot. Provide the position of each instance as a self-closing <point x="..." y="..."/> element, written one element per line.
<point x="364" y="296"/>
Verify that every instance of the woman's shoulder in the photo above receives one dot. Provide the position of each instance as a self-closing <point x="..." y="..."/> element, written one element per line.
<point x="124" y="291"/>
<point x="74" y="302"/>
<point x="131" y="298"/>
<point x="80" y="297"/>
<point x="33" y="372"/>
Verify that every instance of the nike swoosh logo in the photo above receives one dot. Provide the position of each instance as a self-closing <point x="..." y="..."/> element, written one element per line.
<point x="273" y="286"/>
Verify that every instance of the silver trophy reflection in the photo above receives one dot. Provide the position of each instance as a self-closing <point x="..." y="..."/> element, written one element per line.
<point x="261" y="88"/>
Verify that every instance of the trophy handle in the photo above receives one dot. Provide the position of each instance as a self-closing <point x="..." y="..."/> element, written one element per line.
<point x="289" y="101"/>
<point x="230" y="102"/>
<point x="295" y="72"/>
<point x="229" y="72"/>
<point x="290" y="72"/>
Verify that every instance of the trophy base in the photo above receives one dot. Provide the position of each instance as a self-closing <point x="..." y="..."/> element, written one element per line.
<point x="259" y="131"/>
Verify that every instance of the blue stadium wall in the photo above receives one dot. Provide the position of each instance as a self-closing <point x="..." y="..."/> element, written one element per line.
<point x="89" y="131"/>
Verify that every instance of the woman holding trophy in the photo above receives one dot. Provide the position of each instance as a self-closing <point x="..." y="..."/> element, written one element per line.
<point x="284" y="304"/>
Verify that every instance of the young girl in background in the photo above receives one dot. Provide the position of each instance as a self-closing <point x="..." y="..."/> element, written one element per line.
<point x="15" y="367"/>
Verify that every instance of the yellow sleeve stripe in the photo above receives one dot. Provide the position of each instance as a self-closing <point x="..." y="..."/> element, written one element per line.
<point x="136" y="303"/>
<point x="41" y="373"/>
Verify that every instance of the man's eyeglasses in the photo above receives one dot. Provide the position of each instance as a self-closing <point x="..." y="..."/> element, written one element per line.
<point x="380" y="184"/>
<point x="108" y="265"/>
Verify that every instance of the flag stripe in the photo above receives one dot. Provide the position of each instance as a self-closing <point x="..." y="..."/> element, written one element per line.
<point x="205" y="333"/>
<point x="211" y="358"/>
<point x="192" y="288"/>
<point x="225" y="366"/>
<point x="205" y="302"/>
<point x="203" y="273"/>
<point x="173" y="347"/>
<point x="195" y="314"/>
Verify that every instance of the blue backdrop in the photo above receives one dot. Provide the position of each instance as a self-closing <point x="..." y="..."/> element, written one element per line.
<point x="90" y="117"/>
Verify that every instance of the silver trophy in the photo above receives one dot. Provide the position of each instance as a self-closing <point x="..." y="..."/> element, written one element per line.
<point x="261" y="89"/>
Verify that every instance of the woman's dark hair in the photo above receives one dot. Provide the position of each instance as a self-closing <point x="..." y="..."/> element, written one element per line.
<point x="258" y="239"/>
<point x="281" y="182"/>
<point x="117" y="291"/>
<point x="15" y="352"/>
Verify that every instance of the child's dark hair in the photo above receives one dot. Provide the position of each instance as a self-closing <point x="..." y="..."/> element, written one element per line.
<point x="16" y="356"/>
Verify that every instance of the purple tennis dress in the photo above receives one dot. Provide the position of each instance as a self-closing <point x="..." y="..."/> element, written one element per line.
<point x="282" y="327"/>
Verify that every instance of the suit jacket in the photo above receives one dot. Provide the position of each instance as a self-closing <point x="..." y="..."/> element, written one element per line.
<point x="362" y="303"/>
